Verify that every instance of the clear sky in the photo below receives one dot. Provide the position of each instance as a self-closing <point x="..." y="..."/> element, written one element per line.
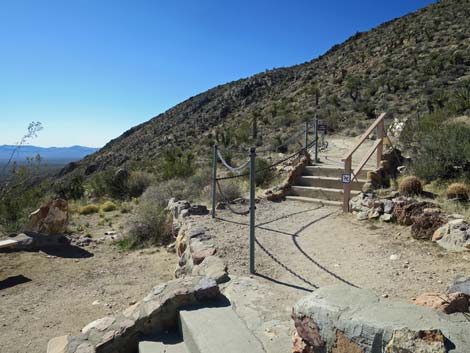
<point x="91" y="69"/>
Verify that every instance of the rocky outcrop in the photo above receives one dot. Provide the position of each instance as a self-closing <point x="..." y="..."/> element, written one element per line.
<point x="346" y="319"/>
<point x="279" y="192"/>
<point x="52" y="218"/>
<point x="157" y="312"/>
<point x="453" y="236"/>
<point x="460" y="284"/>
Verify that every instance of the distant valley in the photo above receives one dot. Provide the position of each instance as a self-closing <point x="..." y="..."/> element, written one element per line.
<point x="50" y="155"/>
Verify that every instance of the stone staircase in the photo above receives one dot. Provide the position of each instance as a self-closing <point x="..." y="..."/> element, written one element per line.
<point x="205" y="330"/>
<point x="322" y="184"/>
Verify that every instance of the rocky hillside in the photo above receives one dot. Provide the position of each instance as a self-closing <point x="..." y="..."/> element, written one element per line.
<point x="404" y="66"/>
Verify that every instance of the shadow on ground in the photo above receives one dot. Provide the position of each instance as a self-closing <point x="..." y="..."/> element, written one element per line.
<point x="13" y="281"/>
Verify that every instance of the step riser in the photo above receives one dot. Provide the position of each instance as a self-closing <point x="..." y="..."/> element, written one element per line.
<point x="317" y="194"/>
<point x="329" y="172"/>
<point x="327" y="183"/>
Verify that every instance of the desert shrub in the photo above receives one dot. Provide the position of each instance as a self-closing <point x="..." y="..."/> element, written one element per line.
<point x="263" y="174"/>
<point x="88" y="209"/>
<point x="151" y="223"/>
<point x="126" y="207"/>
<point x="410" y="185"/>
<point x="439" y="148"/>
<point x="457" y="191"/>
<point x="176" y="163"/>
<point x="108" y="206"/>
<point x="231" y="190"/>
<point x="138" y="182"/>
<point x="70" y="188"/>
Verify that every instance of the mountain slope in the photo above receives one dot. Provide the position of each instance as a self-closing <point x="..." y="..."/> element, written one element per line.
<point x="403" y="66"/>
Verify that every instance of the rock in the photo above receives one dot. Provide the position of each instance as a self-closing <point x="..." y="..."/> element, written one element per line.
<point x="460" y="284"/>
<point x="100" y="324"/>
<point x="374" y="213"/>
<point x="31" y="241"/>
<point x="198" y="210"/>
<point x="447" y="303"/>
<point x="51" y="219"/>
<point x="388" y="206"/>
<point x="176" y="207"/>
<point x="428" y="341"/>
<point x="426" y="224"/>
<point x="386" y="217"/>
<point x="212" y="267"/>
<point x="395" y="257"/>
<point x="454" y="236"/>
<point x="156" y="313"/>
<point x="58" y="345"/>
<point x="199" y="256"/>
<point x="220" y="206"/>
<point x="91" y="169"/>
<point x="406" y="211"/>
<point x="371" y="322"/>
<point x="362" y="216"/>
<point x="299" y="345"/>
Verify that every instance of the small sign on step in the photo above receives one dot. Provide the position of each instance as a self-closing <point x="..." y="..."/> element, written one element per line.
<point x="346" y="178"/>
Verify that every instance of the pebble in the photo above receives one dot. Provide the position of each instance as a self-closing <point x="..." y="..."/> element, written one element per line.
<point x="394" y="257"/>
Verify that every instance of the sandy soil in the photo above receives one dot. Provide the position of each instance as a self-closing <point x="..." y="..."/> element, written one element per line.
<point x="305" y="246"/>
<point x="43" y="295"/>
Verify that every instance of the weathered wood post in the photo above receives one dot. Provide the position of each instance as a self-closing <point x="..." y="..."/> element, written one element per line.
<point x="380" y="136"/>
<point x="252" y="208"/>
<point x="214" y="180"/>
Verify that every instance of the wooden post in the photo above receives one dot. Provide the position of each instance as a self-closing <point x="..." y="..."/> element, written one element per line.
<point x="380" y="136"/>
<point x="347" y="187"/>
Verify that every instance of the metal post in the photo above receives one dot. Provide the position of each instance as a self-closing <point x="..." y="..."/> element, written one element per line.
<point x="214" y="179"/>
<point x="347" y="186"/>
<point x="316" y="138"/>
<point x="306" y="135"/>
<point x="252" y="209"/>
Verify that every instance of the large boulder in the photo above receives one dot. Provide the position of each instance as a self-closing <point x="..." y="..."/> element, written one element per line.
<point x="30" y="241"/>
<point x="347" y="319"/>
<point x="407" y="211"/>
<point x="454" y="236"/>
<point x="460" y="284"/>
<point x="52" y="218"/>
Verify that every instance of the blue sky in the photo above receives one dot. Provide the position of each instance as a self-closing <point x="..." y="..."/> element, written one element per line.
<point x="91" y="69"/>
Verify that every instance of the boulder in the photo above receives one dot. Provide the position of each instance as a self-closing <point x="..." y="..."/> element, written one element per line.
<point x="425" y="224"/>
<point x="361" y="321"/>
<point x="448" y="303"/>
<point x="460" y="284"/>
<point x="31" y="241"/>
<point x="454" y="236"/>
<point x="406" y="211"/>
<point x="52" y="218"/>
<point x="428" y="341"/>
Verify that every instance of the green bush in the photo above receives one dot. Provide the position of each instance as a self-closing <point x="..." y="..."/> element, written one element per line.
<point x="231" y="190"/>
<point x="70" y="188"/>
<point x="439" y="148"/>
<point x="151" y="223"/>
<point x="88" y="209"/>
<point x="176" y="164"/>
<point x="108" y="206"/>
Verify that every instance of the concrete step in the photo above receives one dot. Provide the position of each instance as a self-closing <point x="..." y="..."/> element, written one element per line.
<point x="327" y="182"/>
<point x="319" y="193"/>
<point x="330" y="171"/>
<point x="164" y="343"/>
<point x="215" y="330"/>
<point x="316" y="201"/>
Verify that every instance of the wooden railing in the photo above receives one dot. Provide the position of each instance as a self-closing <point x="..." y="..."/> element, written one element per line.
<point x="378" y="124"/>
